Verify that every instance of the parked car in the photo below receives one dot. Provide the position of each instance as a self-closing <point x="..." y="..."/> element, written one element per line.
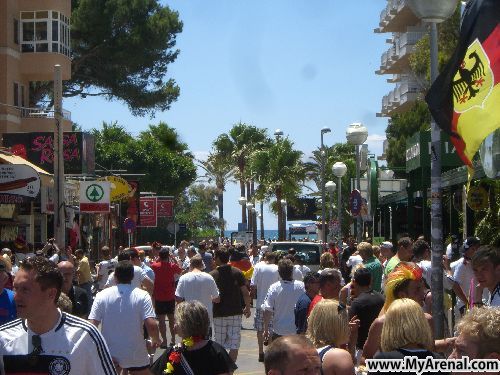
<point x="309" y="252"/>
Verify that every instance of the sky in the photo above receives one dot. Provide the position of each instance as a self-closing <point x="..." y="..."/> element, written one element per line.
<point x="296" y="65"/>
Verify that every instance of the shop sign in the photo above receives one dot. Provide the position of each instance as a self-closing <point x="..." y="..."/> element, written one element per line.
<point x="94" y="196"/>
<point x="120" y="189"/>
<point x="18" y="180"/>
<point x="355" y="202"/>
<point x="38" y="148"/>
<point x="148" y="212"/>
<point x="419" y="150"/>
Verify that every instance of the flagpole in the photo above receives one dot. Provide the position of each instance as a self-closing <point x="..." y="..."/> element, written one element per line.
<point x="436" y="208"/>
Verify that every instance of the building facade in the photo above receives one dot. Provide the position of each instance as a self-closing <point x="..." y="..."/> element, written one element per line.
<point x="34" y="36"/>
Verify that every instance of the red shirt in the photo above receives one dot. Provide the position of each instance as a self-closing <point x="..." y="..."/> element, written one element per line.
<point x="164" y="286"/>
<point x="315" y="300"/>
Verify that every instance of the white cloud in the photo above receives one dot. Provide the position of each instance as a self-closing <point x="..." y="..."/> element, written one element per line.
<point x="201" y="155"/>
<point x="376" y="137"/>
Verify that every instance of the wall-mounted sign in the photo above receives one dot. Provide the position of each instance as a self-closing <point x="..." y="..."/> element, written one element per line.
<point x="94" y="196"/>
<point x="477" y="198"/>
<point x="38" y="148"/>
<point x="120" y="189"/>
<point x="19" y="180"/>
<point x="148" y="213"/>
<point x="165" y="207"/>
<point x="355" y="202"/>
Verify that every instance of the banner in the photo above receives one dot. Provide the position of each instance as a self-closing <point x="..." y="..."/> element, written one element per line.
<point x="464" y="97"/>
<point x="94" y="196"/>
<point x="148" y="212"/>
<point x="165" y="207"/>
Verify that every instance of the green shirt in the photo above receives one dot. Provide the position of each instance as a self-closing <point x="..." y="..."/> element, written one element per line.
<point x="391" y="264"/>
<point x="375" y="267"/>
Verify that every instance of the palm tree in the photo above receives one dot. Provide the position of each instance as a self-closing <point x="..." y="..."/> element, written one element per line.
<point x="238" y="145"/>
<point x="280" y="171"/>
<point x="219" y="170"/>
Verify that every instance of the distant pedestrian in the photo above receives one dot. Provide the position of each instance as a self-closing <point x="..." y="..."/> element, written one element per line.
<point x="311" y="285"/>
<point x="486" y="267"/>
<point x="7" y="305"/>
<point x="78" y="296"/>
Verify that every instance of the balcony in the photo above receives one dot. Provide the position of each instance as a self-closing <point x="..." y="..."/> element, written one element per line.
<point x="395" y="59"/>
<point x="396" y="17"/>
<point x="32" y="120"/>
<point x="401" y="98"/>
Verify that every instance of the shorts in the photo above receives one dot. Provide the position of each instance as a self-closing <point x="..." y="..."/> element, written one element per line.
<point x="258" y="321"/>
<point x="227" y="331"/>
<point x="164" y="307"/>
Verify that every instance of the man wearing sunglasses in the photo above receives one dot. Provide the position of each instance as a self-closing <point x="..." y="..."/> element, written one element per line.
<point x="44" y="340"/>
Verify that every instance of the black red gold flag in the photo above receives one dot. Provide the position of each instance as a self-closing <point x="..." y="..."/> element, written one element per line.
<point x="465" y="98"/>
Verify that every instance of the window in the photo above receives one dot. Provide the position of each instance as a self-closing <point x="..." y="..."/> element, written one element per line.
<point x="45" y="31"/>
<point x="16" y="94"/>
<point x="16" y="31"/>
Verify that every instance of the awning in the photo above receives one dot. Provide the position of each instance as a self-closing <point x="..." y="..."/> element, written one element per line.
<point x="6" y="157"/>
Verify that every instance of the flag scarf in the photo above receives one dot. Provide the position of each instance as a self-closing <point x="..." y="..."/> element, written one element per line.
<point x="465" y="98"/>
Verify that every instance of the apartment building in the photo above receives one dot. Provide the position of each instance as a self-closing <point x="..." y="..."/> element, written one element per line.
<point x="34" y="36"/>
<point x="406" y="30"/>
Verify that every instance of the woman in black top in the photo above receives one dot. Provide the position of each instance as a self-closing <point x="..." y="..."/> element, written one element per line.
<point x="406" y="333"/>
<point x="196" y="354"/>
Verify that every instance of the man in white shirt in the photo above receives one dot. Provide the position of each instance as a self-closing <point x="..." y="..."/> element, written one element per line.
<point x="486" y="267"/>
<point x="43" y="340"/>
<point x="198" y="285"/>
<point x="105" y="267"/>
<point x="280" y="302"/>
<point x="264" y="275"/>
<point x="123" y="311"/>
<point x="462" y="270"/>
<point x="140" y="278"/>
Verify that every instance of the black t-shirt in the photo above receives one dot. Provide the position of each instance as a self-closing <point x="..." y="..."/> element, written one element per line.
<point x="212" y="359"/>
<point x="229" y="280"/>
<point x="401" y="353"/>
<point x="346" y="271"/>
<point x="366" y="306"/>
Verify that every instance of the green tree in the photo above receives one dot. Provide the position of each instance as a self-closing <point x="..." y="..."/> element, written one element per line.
<point x="280" y="173"/>
<point x="196" y="208"/>
<point x="121" y="50"/>
<point x="238" y="145"/>
<point x="219" y="170"/>
<point x="166" y="171"/>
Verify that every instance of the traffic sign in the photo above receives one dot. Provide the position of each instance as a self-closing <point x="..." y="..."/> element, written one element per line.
<point x="94" y="196"/>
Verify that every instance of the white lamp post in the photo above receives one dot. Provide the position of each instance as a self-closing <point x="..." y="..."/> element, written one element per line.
<point x="243" y="201"/>
<point x="330" y="186"/>
<point x="322" y="182"/>
<point x="339" y="169"/>
<point x="357" y="134"/>
<point x="283" y="207"/>
<point x="434" y="12"/>
<point x="250" y="219"/>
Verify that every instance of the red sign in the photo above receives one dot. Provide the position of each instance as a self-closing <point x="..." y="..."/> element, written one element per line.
<point x="148" y="213"/>
<point x="165" y="207"/>
<point x="355" y="202"/>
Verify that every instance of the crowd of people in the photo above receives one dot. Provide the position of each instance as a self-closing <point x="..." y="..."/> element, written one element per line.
<point x="61" y="315"/>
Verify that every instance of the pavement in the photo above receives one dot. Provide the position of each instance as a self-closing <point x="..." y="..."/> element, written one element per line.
<point x="248" y="355"/>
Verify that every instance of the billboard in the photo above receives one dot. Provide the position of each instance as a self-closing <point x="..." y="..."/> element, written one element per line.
<point x="147" y="212"/>
<point x="165" y="207"/>
<point x="302" y="209"/>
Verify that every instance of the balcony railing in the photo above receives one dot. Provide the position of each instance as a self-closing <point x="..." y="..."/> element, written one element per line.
<point x="396" y="16"/>
<point x="42" y="113"/>
<point x="405" y="92"/>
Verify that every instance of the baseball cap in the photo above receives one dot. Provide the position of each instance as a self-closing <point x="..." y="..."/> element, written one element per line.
<point x="471" y="241"/>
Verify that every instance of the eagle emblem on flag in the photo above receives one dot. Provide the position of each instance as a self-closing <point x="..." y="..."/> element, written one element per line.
<point x="473" y="81"/>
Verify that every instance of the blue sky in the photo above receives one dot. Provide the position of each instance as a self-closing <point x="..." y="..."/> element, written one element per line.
<point x="296" y="65"/>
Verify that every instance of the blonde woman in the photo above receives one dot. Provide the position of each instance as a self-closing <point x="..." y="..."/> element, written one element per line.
<point x="326" y="261"/>
<point x="406" y="333"/>
<point x="328" y="329"/>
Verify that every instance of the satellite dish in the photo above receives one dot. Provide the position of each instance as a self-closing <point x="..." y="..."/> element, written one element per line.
<point x="490" y="154"/>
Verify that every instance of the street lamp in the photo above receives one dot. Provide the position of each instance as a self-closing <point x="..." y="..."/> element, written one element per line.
<point x="330" y="187"/>
<point x="243" y="201"/>
<point x="322" y="182"/>
<point x="278" y="133"/>
<point x="435" y="12"/>
<point x="250" y="218"/>
<point x="339" y="169"/>
<point x="357" y="134"/>
<point x="283" y="207"/>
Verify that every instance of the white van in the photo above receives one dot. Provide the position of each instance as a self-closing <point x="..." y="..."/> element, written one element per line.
<point x="309" y="252"/>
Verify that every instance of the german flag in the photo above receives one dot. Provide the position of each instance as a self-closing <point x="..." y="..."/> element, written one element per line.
<point x="465" y="98"/>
